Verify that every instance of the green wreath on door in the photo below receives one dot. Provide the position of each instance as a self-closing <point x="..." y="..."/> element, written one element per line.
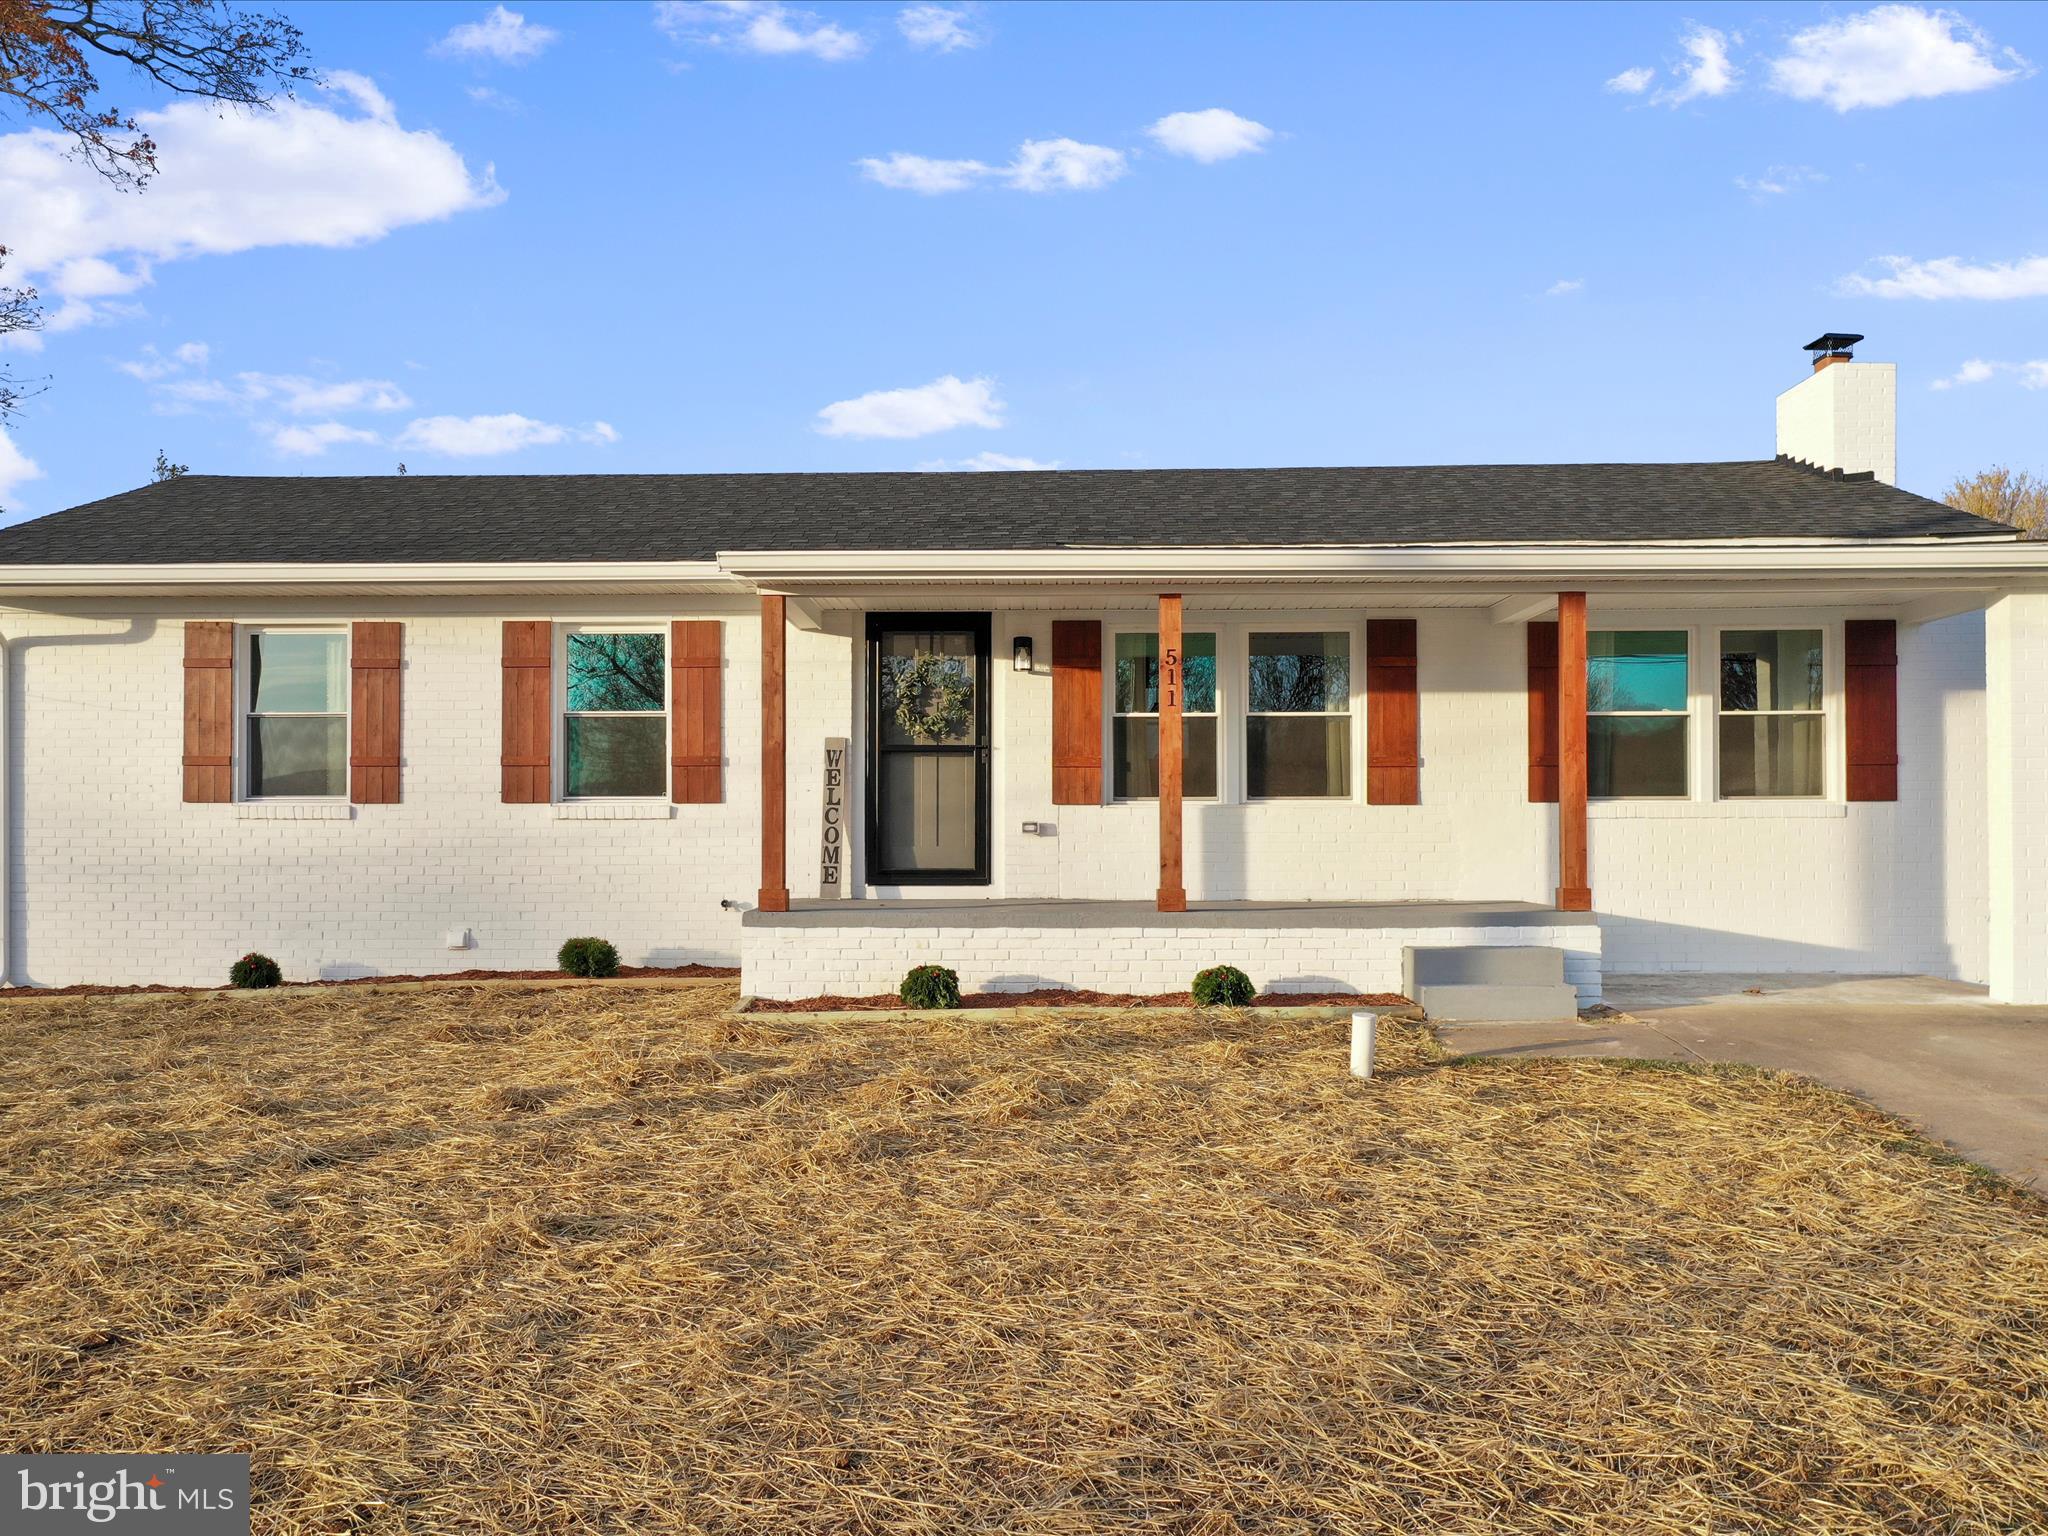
<point x="933" y="696"/>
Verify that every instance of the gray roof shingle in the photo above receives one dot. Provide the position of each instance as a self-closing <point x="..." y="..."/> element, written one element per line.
<point x="222" y="518"/>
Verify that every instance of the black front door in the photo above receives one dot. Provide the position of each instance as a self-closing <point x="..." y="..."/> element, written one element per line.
<point x="928" y="749"/>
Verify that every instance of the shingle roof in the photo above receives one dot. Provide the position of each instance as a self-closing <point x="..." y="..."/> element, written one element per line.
<point x="210" y="518"/>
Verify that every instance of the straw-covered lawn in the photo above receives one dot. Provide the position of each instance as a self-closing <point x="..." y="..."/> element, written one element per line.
<point x="522" y="1259"/>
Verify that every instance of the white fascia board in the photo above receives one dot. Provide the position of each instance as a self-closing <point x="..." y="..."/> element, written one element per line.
<point x="1998" y="560"/>
<point x="312" y="579"/>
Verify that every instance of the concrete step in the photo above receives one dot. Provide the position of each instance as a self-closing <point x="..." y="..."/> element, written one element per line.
<point x="1483" y="1004"/>
<point x="1489" y="965"/>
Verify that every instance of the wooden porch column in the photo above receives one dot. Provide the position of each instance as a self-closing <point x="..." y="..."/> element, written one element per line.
<point x="1173" y="895"/>
<point x="1574" y="890"/>
<point x="774" y="895"/>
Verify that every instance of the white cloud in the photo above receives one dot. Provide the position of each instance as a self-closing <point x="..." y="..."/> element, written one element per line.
<point x="314" y="439"/>
<point x="338" y="173"/>
<point x="1632" y="82"/>
<point x="1707" y="69"/>
<point x="16" y="467"/>
<point x="1564" y="286"/>
<point x="1975" y="371"/>
<point x="1777" y="180"/>
<point x="939" y="406"/>
<point x="300" y="396"/>
<point x="491" y="96"/>
<point x="1063" y="165"/>
<point x="918" y="173"/>
<point x="152" y="364"/>
<point x="987" y="462"/>
<point x="1890" y="54"/>
<point x="1041" y="165"/>
<point x="503" y="35"/>
<point x="1949" y="277"/>
<point x="2032" y="374"/>
<point x="757" y="26"/>
<point x="472" y="437"/>
<point x="1209" y="135"/>
<point x="944" y="27"/>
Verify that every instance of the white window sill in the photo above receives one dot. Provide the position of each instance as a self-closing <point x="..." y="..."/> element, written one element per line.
<point x="294" y="810"/>
<point x="614" y="810"/>
<point x="1716" y="810"/>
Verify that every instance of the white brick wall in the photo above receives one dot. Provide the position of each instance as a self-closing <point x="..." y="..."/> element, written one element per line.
<point x="113" y="879"/>
<point x="786" y="961"/>
<point x="116" y="880"/>
<point x="2016" y="704"/>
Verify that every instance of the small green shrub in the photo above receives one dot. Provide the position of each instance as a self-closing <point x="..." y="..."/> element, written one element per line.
<point x="930" y="986"/>
<point x="254" y="970"/>
<point x="1223" y="986"/>
<point x="588" y="957"/>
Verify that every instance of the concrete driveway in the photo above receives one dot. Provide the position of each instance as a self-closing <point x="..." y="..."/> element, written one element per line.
<point x="1965" y="1071"/>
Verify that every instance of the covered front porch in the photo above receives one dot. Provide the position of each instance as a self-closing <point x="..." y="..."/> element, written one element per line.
<point x="865" y="947"/>
<point x="1138" y="826"/>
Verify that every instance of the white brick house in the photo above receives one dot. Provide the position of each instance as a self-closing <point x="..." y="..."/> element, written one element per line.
<point x="428" y="723"/>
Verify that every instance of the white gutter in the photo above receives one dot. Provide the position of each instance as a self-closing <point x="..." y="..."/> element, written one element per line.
<point x="393" y="577"/>
<point x="1997" y="560"/>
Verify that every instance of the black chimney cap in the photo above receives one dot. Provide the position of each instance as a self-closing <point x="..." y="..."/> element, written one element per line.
<point x="1833" y="341"/>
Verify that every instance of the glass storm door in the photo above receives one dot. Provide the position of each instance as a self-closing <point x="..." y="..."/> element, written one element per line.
<point x="928" y="757"/>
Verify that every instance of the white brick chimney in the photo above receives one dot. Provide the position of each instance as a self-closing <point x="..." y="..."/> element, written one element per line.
<point x="1844" y="415"/>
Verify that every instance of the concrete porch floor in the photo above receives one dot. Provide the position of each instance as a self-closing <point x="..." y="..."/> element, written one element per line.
<point x="983" y="912"/>
<point x="1968" y="1072"/>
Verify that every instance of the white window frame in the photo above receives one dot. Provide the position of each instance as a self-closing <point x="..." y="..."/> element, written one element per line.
<point x="559" y="721"/>
<point x="1111" y="714"/>
<point x="1833" y="738"/>
<point x="1641" y="624"/>
<point x="244" y="749"/>
<point x="1352" y="625"/>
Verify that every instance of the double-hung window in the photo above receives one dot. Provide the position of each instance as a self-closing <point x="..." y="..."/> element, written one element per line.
<point x="1298" y="714"/>
<point x="614" y="714"/>
<point x="296" y="714"/>
<point x="1772" y="728"/>
<point x="1135" y="723"/>
<point x="1637" y="713"/>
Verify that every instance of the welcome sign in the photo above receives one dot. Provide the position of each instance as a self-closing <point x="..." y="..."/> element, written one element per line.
<point x="832" y="851"/>
<point x="142" y="1494"/>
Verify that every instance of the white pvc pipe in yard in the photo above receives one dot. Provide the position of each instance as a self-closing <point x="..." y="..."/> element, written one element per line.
<point x="1365" y="1031"/>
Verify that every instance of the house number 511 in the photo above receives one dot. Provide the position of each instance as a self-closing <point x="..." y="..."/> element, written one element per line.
<point x="1170" y="676"/>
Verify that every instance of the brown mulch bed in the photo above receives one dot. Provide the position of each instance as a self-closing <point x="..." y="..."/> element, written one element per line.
<point x="1054" y="997"/>
<point x="626" y="972"/>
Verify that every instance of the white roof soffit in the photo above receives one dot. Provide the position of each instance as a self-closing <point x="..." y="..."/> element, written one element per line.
<point x="1996" y="562"/>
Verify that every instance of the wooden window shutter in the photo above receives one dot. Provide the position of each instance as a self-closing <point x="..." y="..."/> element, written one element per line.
<point x="1543" y="711"/>
<point x="1076" y="712"/>
<point x="696" y="705"/>
<point x="1393" y="764"/>
<point x="529" y="702"/>
<point x="375" y="713"/>
<point x="1871" y="704"/>
<point x="209" y="713"/>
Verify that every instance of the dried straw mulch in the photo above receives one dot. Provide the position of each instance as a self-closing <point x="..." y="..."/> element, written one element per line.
<point x="615" y="1260"/>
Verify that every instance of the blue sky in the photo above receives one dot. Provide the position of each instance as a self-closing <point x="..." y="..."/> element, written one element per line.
<point x="635" y="237"/>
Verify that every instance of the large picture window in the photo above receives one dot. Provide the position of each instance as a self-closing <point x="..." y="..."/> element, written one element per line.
<point x="1298" y="714"/>
<point x="1772" y="728"/>
<point x="1135" y="723"/>
<point x="1636" y="713"/>
<point x="615" y="715"/>
<point x="297" y="720"/>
